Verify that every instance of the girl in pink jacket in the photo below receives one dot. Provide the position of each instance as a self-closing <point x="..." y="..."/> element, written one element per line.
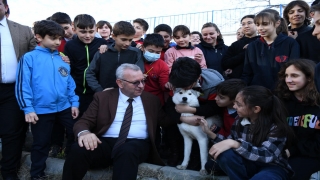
<point x="181" y="35"/>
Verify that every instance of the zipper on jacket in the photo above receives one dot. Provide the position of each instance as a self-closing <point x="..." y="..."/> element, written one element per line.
<point x="54" y="77"/>
<point x="216" y="50"/>
<point x="85" y="71"/>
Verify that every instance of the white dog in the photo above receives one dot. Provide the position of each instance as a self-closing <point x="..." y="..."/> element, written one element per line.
<point x="189" y="132"/>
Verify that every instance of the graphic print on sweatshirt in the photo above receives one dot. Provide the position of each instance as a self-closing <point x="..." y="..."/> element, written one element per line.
<point x="281" y="59"/>
<point x="305" y="121"/>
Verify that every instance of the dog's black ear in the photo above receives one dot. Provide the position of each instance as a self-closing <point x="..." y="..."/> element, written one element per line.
<point x="177" y="90"/>
<point x="197" y="93"/>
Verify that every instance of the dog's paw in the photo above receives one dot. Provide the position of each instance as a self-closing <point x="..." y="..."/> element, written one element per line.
<point x="203" y="172"/>
<point x="181" y="167"/>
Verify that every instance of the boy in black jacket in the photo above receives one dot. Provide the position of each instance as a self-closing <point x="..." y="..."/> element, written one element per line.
<point x="101" y="73"/>
<point x="232" y="62"/>
<point x="309" y="44"/>
<point x="80" y="52"/>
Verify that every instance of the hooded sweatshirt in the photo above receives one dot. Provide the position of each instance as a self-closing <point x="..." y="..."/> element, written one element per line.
<point x="304" y="28"/>
<point x="309" y="46"/>
<point x="304" y="120"/>
<point x="263" y="62"/>
<point x="213" y="54"/>
<point x="235" y="55"/>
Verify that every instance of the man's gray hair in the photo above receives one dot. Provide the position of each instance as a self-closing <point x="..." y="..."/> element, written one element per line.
<point x="122" y="67"/>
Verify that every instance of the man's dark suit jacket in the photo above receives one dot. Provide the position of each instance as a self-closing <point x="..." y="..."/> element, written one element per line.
<point x="101" y="113"/>
<point x="22" y="38"/>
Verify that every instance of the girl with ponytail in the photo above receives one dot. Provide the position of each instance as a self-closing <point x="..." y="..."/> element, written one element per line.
<point x="258" y="137"/>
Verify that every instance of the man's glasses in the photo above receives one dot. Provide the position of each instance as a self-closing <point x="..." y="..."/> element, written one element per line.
<point x="136" y="83"/>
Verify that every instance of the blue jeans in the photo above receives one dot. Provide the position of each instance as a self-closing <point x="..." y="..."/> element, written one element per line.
<point x="239" y="168"/>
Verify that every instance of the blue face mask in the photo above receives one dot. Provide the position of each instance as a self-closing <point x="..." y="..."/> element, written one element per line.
<point x="151" y="57"/>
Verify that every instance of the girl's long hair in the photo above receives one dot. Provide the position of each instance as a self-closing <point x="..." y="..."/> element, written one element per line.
<point x="310" y="94"/>
<point x="272" y="113"/>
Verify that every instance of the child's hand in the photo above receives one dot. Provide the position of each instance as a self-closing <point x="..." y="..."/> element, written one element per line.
<point x="204" y="126"/>
<point x="65" y="59"/>
<point x="103" y="48"/>
<point x="139" y="46"/>
<point x="222" y="146"/>
<point x="198" y="57"/>
<point x="191" y="120"/>
<point x="168" y="85"/>
<point x="31" y="118"/>
<point x="74" y="112"/>
<point x="293" y="34"/>
<point x="228" y="71"/>
<point x="184" y="108"/>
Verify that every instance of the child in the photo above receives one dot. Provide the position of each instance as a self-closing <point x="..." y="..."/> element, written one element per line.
<point x="155" y="69"/>
<point x="226" y="94"/>
<point x="101" y="73"/>
<point x="239" y="33"/>
<point x="104" y="28"/>
<point x="316" y="19"/>
<point x="45" y="92"/>
<point x="212" y="46"/>
<point x="296" y="14"/>
<point x="186" y="73"/>
<point x="166" y="32"/>
<point x="309" y="44"/>
<point x="181" y="35"/>
<point x="265" y="56"/>
<point x="64" y="21"/>
<point x="254" y="148"/>
<point x="298" y="91"/>
<point x="195" y="38"/>
<point x="141" y="27"/>
<point x="58" y="130"/>
<point x="233" y="60"/>
<point x="80" y="52"/>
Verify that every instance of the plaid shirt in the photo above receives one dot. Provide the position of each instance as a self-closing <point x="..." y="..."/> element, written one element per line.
<point x="270" y="150"/>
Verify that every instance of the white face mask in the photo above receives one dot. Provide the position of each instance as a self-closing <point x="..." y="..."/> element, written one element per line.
<point x="151" y="57"/>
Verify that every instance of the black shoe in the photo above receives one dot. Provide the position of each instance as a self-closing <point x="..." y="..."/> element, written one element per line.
<point x="55" y="150"/>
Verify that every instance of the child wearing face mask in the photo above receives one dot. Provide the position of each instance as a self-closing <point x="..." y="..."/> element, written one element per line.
<point x="155" y="69"/>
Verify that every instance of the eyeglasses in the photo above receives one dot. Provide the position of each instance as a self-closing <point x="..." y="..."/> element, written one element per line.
<point x="248" y="23"/>
<point x="136" y="83"/>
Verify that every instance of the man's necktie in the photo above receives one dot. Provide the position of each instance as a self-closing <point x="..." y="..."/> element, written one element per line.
<point x="125" y="127"/>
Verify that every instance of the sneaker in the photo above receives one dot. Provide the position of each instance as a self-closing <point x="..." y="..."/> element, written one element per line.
<point x="55" y="150"/>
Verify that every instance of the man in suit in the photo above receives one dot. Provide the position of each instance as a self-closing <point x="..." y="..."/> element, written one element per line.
<point x="15" y="40"/>
<point x="101" y="128"/>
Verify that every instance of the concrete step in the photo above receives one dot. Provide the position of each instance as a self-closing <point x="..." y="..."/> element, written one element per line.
<point x="146" y="171"/>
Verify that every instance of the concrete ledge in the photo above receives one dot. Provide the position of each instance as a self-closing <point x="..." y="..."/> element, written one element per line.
<point x="146" y="171"/>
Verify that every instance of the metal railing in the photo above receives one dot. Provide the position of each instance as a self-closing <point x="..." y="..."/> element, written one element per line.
<point x="228" y="20"/>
